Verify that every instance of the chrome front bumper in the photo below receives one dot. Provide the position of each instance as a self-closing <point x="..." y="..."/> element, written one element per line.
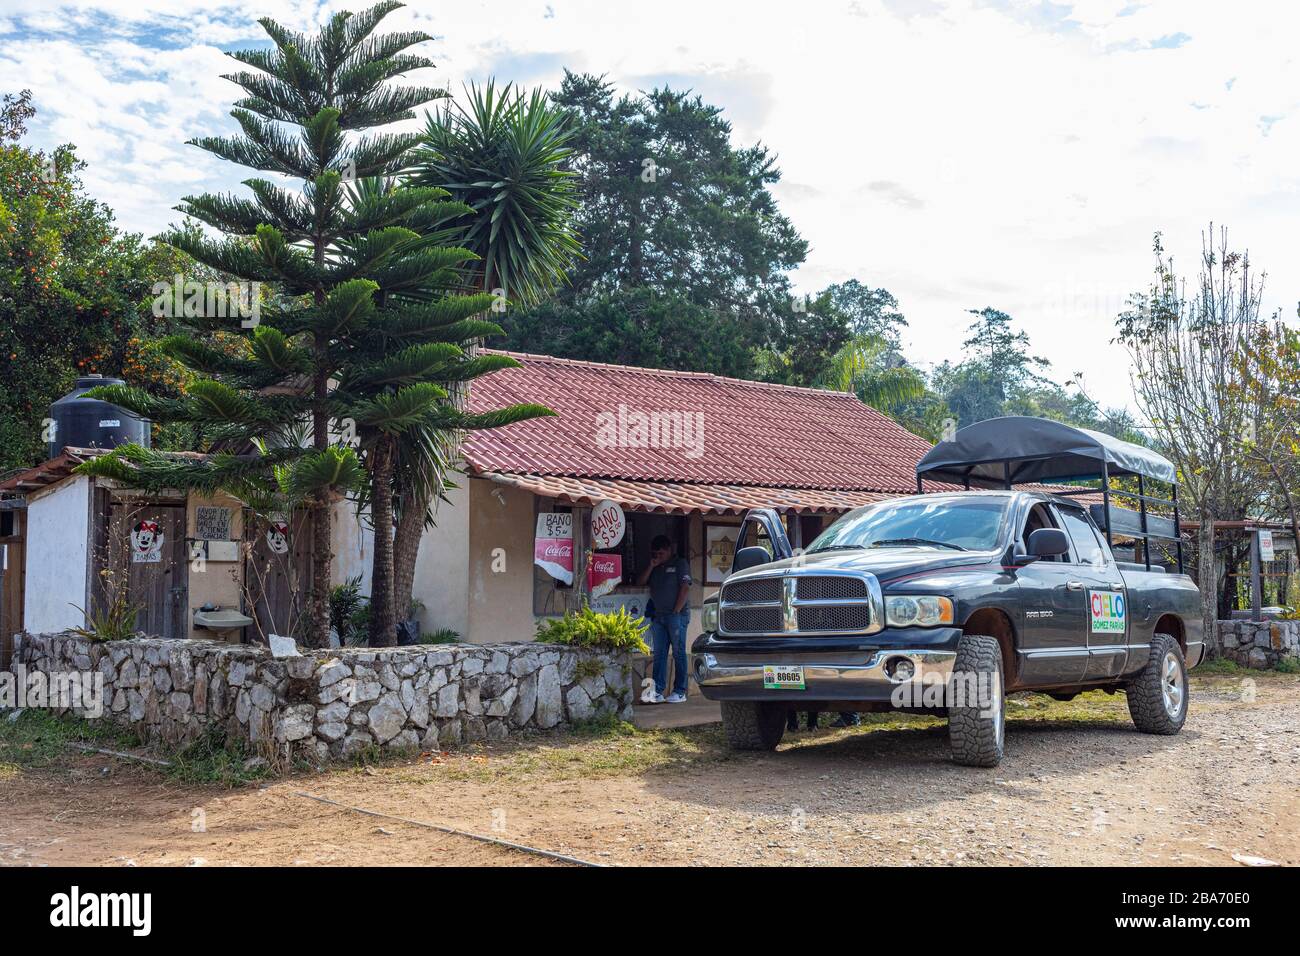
<point x="724" y="676"/>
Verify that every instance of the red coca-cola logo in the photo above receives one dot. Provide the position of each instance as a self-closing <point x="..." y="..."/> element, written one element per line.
<point x="558" y="551"/>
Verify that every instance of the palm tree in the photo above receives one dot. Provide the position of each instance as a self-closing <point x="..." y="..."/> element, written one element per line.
<point x="504" y="154"/>
<point x="870" y="368"/>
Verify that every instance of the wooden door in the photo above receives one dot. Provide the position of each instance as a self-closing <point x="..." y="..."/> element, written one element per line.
<point x="11" y="586"/>
<point x="277" y="573"/>
<point x="146" y="545"/>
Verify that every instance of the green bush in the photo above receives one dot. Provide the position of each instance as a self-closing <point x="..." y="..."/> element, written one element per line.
<point x="443" y="635"/>
<point x="587" y="628"/>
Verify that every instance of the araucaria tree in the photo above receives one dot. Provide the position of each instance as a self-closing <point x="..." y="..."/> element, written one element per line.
<point x="352" y="335"/>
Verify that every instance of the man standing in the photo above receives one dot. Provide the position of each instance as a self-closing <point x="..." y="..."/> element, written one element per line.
<point x="669" y="614"/>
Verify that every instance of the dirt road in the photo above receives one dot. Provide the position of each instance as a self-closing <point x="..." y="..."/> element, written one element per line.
<point x="1079" y="786"/>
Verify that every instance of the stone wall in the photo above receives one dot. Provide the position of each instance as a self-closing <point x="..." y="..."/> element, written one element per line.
<point x="1256" y="644"/>
<point x="336" y="703"/>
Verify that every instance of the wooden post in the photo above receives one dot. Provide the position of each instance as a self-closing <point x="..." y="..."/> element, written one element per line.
<point x="1142" y="503"/>
<point x="1105" y="499"/>
<point x="1178" y="528"/>
<point x="1256" y="592"/>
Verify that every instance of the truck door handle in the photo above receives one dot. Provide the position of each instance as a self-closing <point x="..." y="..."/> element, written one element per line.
<point x="1115" y="586"/>
<point x="1074" y="585"/>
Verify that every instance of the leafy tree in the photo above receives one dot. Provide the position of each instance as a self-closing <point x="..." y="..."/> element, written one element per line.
<point x="997" y="369"/>
<point x="74" y="292"/>
<point x="339" y="258"/>
<point x="670" y="211"/>
<point x="870" y="312"/>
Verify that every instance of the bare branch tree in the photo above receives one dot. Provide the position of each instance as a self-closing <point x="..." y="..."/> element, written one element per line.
<point x="1185" y="348"/>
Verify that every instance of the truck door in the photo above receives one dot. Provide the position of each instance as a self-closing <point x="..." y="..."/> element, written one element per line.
<point x="762" y="528"/>
<point x="1054" y="644"/>
<point x="1106" y="596"/>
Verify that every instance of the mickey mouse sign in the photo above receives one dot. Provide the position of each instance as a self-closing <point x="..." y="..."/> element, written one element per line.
<point x="146" y="543"/>
<point x="277" y="535"/>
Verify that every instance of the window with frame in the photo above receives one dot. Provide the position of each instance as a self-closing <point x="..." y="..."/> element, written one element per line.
<point x="1084" y="536"/>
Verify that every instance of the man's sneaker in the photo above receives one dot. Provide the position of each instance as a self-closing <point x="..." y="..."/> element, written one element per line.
<point x="652" y="697"/>
<point x="675" y="699"/>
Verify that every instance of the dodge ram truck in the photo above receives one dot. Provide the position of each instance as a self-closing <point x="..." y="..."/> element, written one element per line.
<point x="944" y="603"/>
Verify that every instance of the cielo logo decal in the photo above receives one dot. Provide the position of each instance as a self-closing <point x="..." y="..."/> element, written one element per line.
<point x="1107" y="609"/>
<point x="76" y="909"/>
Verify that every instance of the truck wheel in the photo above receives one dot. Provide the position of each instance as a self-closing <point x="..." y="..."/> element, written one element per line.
<point x="1157" y="697"/>
<point x="751" y="725"/>
<point x="977" y="733"/>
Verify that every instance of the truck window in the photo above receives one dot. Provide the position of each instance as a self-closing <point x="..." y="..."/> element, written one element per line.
<point x="1081" y="532"/>
<point x="1040" y="516"/>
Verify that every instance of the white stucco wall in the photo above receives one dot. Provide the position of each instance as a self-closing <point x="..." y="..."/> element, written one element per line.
<point x="352" y="542"/>
<point x="58" y="549"/>
<point x="442" y="571"/>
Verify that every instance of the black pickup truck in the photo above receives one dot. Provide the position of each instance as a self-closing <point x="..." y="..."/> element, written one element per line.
<point x="944" y="602"/>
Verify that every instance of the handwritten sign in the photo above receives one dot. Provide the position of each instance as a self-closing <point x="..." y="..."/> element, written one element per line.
<point x="212" y="524"/>
<point x="553" y="545"/>
<point x="608" y="523"/>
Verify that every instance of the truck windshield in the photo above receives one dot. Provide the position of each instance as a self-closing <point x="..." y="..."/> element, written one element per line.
<point x="960" y="524"/>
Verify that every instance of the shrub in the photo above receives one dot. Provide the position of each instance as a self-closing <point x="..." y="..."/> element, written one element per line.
<point x="588" y="628"/>
<point x="116" y="621"/>
<point x="443" y="635"/>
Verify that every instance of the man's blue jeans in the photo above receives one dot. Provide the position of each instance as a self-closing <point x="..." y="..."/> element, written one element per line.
<point x="666" y="629"/>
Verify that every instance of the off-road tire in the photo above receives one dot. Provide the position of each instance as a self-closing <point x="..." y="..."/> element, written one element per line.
<point x="1150" y="693"/>
<point x="752" y="725"/>
<point x="978" y="734"/>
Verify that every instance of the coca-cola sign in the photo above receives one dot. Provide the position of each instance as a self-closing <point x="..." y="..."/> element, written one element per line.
<point x="604" y="573"/>
<point x="553" y="545"/>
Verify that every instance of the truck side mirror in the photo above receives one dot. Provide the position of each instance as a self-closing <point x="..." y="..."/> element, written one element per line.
<point x="750" y="557"/>
<point x="1048" y="542"/>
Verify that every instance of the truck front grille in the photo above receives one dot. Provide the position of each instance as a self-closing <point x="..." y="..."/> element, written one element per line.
<point x="751" y="620"/>
<point x="822" y="604"/>
<point x="834" y="618"/>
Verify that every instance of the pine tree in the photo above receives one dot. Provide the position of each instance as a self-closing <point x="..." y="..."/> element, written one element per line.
<point x="334" y="254"/>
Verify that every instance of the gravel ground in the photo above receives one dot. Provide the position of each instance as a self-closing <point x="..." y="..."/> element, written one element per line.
<point x="1078" y="786"/>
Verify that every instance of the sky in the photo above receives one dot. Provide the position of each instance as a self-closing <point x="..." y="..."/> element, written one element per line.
<point x="1018" y="154"/>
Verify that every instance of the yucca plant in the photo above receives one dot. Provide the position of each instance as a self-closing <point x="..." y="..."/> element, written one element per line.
<point x="504" y="154"/>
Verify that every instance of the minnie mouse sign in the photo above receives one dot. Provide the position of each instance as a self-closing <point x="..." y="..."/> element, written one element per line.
<point x="146" y="543"/>
<point x="277" y="536"/>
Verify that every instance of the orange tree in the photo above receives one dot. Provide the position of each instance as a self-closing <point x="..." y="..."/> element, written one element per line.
<point x="74" y="294"/>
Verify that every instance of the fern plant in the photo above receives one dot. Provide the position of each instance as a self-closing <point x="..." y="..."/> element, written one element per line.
<point x="615" y="631"/>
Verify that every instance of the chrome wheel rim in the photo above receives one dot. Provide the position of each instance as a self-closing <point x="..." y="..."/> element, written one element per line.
<point x="999" y="712"/>
<point x="1172" y="685"/>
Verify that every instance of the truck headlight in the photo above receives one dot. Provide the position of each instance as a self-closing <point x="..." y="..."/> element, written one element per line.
<point x="709" y="616"/>
<point x="920" y="611"/>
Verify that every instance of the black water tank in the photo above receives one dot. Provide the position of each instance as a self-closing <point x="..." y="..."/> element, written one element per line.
<point x="89" y="423"/>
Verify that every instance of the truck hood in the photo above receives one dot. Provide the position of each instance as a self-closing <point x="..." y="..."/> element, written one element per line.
<point x="886" y="564"/>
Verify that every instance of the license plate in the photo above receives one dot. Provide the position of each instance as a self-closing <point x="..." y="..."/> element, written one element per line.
<point x="782" y="677"/>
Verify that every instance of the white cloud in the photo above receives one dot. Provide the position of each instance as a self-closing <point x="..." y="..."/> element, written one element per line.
<point x="961" y="153"/>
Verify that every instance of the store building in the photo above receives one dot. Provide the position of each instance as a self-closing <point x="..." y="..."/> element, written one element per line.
<point x="684" y="454"/>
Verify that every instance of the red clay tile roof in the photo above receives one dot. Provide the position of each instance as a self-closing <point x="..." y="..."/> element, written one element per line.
<point x="677" y="498"/>
<point x="753" y="434"/>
